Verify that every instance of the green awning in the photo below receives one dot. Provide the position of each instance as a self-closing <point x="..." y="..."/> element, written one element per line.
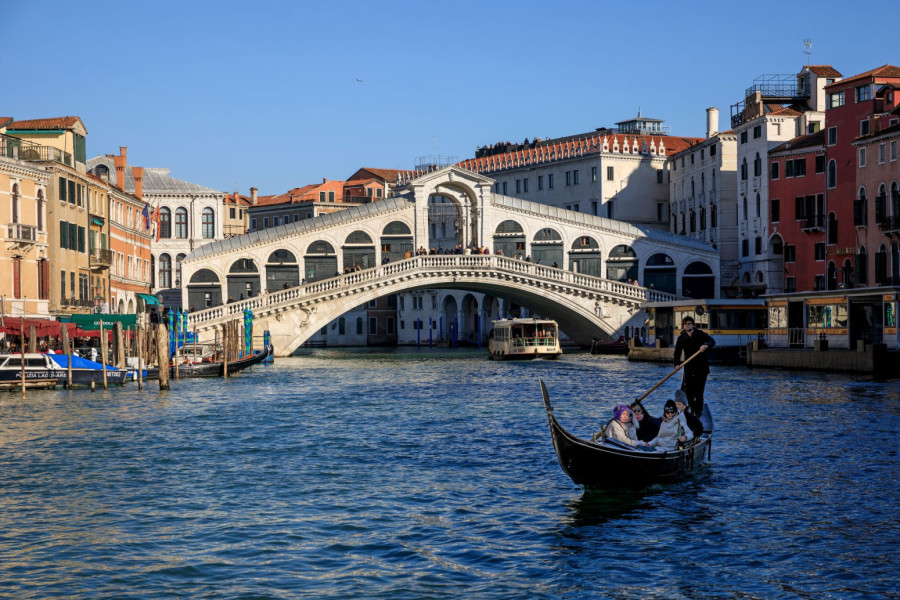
<point x="93" y="321"/>
<point x="97" y="221"/>
<point x="150" y="300"/>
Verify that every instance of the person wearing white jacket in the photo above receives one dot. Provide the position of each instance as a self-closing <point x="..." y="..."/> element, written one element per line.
<point x="672" y="431"/>
<point x="622" y="428"/>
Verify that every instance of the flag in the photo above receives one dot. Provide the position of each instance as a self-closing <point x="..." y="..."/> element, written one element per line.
<point x="146" y="214"/>
<point x="156" y="220"/>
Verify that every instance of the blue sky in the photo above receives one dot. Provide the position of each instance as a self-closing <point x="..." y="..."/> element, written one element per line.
<point x="265" y="94"/>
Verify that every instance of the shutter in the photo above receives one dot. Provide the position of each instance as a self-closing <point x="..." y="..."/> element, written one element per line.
<point x="17" y="277"/>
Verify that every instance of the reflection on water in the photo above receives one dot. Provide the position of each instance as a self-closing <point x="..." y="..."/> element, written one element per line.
<point x="431" y="474"/>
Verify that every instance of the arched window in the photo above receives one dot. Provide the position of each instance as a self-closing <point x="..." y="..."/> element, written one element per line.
<point x="40" y="210"/>
<point x="702" y="218"/>
<point x="181" y="223"/>
<point x="15" y="203"/>
<point x="831" y="174"/>
<point x="859" y="208"/>
<point x="745" y="208"/>
<point x="757" y="166"/>
<point x="209" y="224"/>
<point x="713" y="216"/>
<point x="178" y="260"/>
<point x="165" y="223"/>
<point x="165" y="271"/>
<point x="862" y="267"/>
<point x="342" y="326"/>
<point x="758" y="206"/>
<point x="744" y="170"/>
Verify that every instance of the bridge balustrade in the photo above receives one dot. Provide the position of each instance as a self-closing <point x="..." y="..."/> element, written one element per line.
<point x="429" y="263"/>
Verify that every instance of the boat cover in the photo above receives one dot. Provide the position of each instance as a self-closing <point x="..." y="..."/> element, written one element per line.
<point x="78" y="363"/>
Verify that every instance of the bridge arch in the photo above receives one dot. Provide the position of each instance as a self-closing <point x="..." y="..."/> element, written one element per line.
<point x="320" y="261"/>
<point x="509" y="239"/>
<point x="585" y="256"/>
<point x="243" y="279"/>
<point x="282" y="270"/>
<point x="660" y="273"/>
<point x="698" y="280"/>
<point x="204" y="290"/>
<point x="358" y="251"/>
<point x="622" y="263"/>
<point x="547" y="247"/>
<point x="396" y="241"/>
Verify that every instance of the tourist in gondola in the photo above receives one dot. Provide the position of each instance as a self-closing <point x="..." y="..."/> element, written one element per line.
<point x="622" y="427"/>
<point x="681" y="403"/>
<point x="673" y="430"/>
<point x="647" y="425"/>
<point x="690" y="342"/>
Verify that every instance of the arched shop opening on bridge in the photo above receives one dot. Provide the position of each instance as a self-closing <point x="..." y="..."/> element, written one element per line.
<point x="396" y="241"/>
<point x="585" y="257"/>
<point x="243" y="279"/>
<point x="698" y="281"/>
<point x="282" y="271"/>
<point x="547" y="247"/>
<point x="359" y="251"/>
<point x="204" y="290"/>
<point x="509" y="239"/>
<point x="320" y="261"/>
<point x="622" y="264"/>
<point x="660" y="273"/>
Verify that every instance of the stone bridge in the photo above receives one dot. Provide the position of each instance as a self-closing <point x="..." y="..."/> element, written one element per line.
<point x="578" y="271"/>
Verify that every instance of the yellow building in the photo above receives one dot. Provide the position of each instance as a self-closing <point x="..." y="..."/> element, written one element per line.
<point x="24" y="265"/>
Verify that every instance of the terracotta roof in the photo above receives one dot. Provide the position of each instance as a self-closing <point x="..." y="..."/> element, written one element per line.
<point x="384" y="174"/>
<point x="882" y="71"/>
<point x="4" y="121"/>
<point x="52" y="123"/>
<point x="307" y="193"/>
<point x="786" y="111"/>
<point x="824" y="70"/>
<point x="237" y="199"/>
<point x="811" y="140"/>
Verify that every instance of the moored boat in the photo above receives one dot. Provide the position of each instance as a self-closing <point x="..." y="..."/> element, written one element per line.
<point x="214" y="369"/>
<point x="51" y="370"/>
<point x="607" y="463"/>
<point x="516" y="339"/>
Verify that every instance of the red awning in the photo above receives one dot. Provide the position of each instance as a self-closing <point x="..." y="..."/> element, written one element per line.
<point x="13" y="326"/>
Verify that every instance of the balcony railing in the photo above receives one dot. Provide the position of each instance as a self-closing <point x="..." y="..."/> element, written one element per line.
<point x="21" y="233"/>
<point x="82" y="302"/>
<point x="889" y="224"/>
<point x="813" y="223"/>
<point x="12" y="147"/>
<point x="101" y="258"/>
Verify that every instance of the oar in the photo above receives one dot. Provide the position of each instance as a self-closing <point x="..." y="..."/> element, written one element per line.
<point x="662" y="381"/>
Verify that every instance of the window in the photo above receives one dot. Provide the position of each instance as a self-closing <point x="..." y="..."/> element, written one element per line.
<point x="165" y="223"/>
<point x="208" y="221"/>
<point x="165" y="271"/>
<point x="864" y="127"/>
<point x="862" y="157"/>
<point x="373" y="303"/>
<point x="373" y="326"/>
<point x="773" y="170"/>
<point x="568" y="177"/>
<point x="757" y="243"/>
<point x="181" y="223"/>
<point x="863" y="93"/>
<point x="253" y="224"/>
<point x="712" y="150"/>
<point x="832" y="136"/>
<point x="504" y="188"/>
<point x="62" y="194"/>
<point x="390" y="325"/>
<point x="692" y="158"/>
<point x="790" y="253"/>
<point x="790" y="284"/>
<point x="881" y="153"/>
<point x="757" y="132"/>
<point x="820" y="163"/>
<point x="757" y="166"/>
<point x="831" y="175"/>
<point x="610" y="174"/>
<point x="331" y="195"/>
<point x="71" y="192"/>
<point x="518" y="186"/>
<point x="550" y="181"/>
<point x="835" y="100"/>
<point x="575" y="177"/>
<point x="893" y="151"/>
<point x="743" y="137"/>
<point x="776" y="211"/>
<point x="659" y="176"/>
<point x="359" y="326"/>
<point x="745" y="248"/>
<point x="231" y="213"/>
<point x="819" y="251"/>
<point x="525" y="185"/>
<point x="322" y="196"/>
<point x="594" y="174"/>
<point x="744" y="170"/>
<point x="540" y="182"/>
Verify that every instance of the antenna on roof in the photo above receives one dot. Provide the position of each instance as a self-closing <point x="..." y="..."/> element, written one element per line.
<point x="807" y="49"/>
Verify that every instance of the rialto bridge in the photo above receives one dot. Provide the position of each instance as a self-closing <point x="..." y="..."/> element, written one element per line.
<point x="589" y="273"/>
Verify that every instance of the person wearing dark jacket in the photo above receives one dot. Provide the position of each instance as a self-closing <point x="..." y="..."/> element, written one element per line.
<point x="694" y="423"/>
<point x="647" y="426"/>
<point x="688" y="344"/>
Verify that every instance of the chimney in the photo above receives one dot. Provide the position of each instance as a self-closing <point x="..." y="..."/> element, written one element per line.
<point x="120" y="161"/>
<point x="138" y="173"/>
<point x="253" y="196"/>
<point x="712" y="122"/>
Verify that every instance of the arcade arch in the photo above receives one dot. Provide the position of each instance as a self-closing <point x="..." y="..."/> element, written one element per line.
<point x="204" y="290"/>
<point x="699" y="281"/>
<point x="282" y="270"/>
<point x="359" y="251"/>
<point x="585" y="257"/>
<point x="243" y="279"/>
<point x="509" y="239"/>
<point x="660" y="273"/>
<point x="396" y="241"/>
<point x="622" y="264"/>
<point x="547" y="247"/>
<point x="320" y="261"/>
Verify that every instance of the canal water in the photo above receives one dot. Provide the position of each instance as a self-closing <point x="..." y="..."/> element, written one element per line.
<point x="431" y="474"/>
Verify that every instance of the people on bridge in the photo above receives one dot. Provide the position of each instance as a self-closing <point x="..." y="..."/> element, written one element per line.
<point x="690" y="342"/>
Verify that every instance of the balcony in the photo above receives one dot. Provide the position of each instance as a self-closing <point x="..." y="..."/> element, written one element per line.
<point x="813" y="223"/>
<point x="101" y="259"/>
<point x="889" y="225"/>
<point x="77" y="302"/>
<point x="12" y="147"/>
<point x="22" y="234"/>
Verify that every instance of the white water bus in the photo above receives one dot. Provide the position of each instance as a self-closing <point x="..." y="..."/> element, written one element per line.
<point x="514" y="339"/>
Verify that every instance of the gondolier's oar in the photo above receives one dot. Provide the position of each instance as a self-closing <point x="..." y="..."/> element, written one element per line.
<point x="662" y="381"/>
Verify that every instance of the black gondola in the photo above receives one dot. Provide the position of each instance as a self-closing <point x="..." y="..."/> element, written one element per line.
<point x="214" y="369"/>
<point x="611" y="464"/>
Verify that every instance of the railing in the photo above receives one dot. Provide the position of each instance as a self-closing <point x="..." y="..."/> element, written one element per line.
<point x="21" y="233"/>
<point x="796" y="337"/>
<point x="76" y="302"/>
<point x="482" y="266"/>
<point x="101" y="258"/>
<point x="889" y="224"/>
<point x="12" y="147"/>
<point x="813" y="223"/>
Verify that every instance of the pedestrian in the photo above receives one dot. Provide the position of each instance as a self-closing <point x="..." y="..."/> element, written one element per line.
<point x="690" y="342"/>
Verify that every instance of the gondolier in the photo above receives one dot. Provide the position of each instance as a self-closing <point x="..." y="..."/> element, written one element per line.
<point x="687" y="345"/>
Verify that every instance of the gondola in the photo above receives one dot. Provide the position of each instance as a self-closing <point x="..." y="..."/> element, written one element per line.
<point x="607" y="463"/>
<point x="213" y="369"/>
<point x="612" y="347"/>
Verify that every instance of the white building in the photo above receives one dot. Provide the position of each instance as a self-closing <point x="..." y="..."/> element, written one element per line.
<point x="776" y="109"/>
<point x="703" y="194"/>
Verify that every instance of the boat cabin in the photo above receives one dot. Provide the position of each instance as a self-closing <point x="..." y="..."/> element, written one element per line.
<point x="524" y="338"/>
